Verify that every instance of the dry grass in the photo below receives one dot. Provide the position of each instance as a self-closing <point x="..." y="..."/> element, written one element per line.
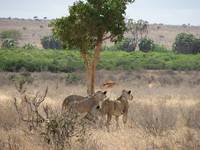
<point x="162" y="116"/>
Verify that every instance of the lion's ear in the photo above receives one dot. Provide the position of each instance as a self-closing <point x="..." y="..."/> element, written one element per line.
<point x="129" y="92"/>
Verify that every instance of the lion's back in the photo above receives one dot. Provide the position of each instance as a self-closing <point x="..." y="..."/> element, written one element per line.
<point x="71" y="99"/>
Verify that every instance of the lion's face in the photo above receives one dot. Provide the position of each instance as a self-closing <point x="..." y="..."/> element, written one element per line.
<point x="127" y="94"/>
<point x="100" y="96"/>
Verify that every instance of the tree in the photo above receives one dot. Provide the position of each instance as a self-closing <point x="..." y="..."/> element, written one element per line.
<point x="184" y="43"/>
<point x="35" y="17"/>
<point x="89" y="24"/>
<point x="196" y="46"/>
<point x="138" y="30"/>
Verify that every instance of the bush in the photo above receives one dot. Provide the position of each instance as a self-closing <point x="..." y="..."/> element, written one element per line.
<point x="28" y="46"/>
<point x="49" y="42"/>
<point x="126" y="44"/>
<point x="196" y="46"/>
<point x="9" y="43"/>
<point x="70" y="60"/>
<point x="146" y="45"/>
<point x="159" y="48"/>
<point x="186" y="43"/>
<point x="10" y="34"/>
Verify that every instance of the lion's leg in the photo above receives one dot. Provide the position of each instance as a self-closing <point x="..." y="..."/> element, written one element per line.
<point x="117" y="121"/>
<point x="109" y="118"/>
<point x="125" y="117"/>
<point x="102" y="120"/>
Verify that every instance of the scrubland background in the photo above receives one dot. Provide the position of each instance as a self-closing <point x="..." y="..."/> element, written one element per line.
<point x="33" y="30"/>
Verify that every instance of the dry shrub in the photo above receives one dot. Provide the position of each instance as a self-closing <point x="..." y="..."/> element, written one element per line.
<point x="154" y="119"/>
<point x="62" y="128"/>
<point x="55" y="127"/>
<point x="38" y="128"/>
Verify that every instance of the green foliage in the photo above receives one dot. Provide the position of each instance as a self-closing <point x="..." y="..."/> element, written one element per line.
<point x="89" y="21"/>
<point x="126" y="44"/>
<point x="50" y="42"/>
<point x="70" y="61"/>
<point x="28" y="46"/>
<point x="159" y="48"/>
<point x="186" y="43"/>
<point x="40" y="60"/>
<point x="196" y="45"/>
<point x="9" y="43"/>
<point x="146" y="45"/>
<point x="10" y="34"/>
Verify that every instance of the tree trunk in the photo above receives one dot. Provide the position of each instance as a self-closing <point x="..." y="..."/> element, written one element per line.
<point x="90" y="88"/>
<point x="91" y="67"/>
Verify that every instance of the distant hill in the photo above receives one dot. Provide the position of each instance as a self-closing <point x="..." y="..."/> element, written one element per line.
<point x="33" y="30"/>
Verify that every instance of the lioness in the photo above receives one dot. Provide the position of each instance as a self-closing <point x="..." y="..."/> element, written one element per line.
<point x="116" y="108"/>
<point x="71" y="99"/>
<point x="83" y="105"/>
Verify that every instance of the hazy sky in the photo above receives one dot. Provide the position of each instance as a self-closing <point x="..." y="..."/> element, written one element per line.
<point x="154" y="11"/>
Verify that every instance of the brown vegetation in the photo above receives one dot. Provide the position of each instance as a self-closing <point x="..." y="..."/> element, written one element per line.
<point x="162" y="116"/>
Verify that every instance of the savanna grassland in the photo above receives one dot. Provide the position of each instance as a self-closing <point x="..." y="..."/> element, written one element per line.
<point x="163" y="115"/>
<point x="165" y="84"/>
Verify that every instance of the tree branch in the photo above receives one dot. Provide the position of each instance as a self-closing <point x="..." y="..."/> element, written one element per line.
<point x="84" y="55"/>
<point x="107" y="37"/>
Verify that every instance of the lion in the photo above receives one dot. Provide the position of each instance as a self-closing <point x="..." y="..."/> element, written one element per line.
<point x="83" y="105"/>
<point x="116" y="108"/>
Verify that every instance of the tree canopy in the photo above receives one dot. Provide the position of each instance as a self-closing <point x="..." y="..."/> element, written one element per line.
<point x="92" y="21"/>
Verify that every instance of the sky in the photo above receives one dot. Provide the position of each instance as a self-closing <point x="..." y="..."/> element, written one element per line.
<point x="175" y="12"/>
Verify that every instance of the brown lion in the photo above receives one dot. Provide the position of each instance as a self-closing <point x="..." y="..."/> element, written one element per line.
<point x="116" y="108"/>
<point x="83" y="105"/>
